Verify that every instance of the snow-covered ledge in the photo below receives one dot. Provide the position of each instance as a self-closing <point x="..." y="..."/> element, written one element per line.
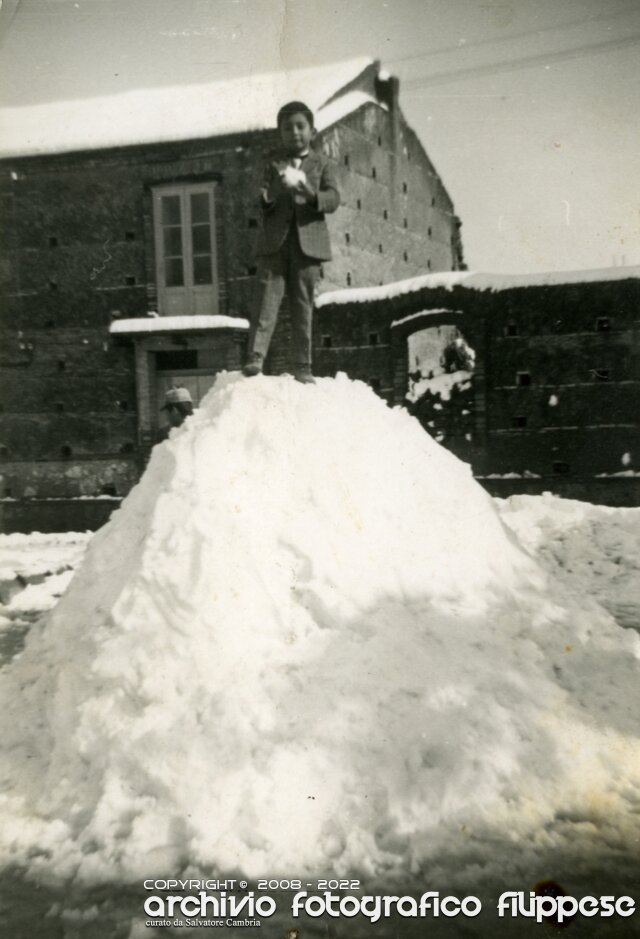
<point x="168" y="324"/>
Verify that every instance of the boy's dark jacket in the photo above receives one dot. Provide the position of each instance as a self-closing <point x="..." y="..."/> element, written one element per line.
<point x="281" y="206"/>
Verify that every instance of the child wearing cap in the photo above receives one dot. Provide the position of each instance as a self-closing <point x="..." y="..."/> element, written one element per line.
<point x="178" y="404"/>
<point x="299" y="188"/>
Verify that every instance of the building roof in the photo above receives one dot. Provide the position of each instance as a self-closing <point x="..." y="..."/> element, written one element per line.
<point x="183" y="112"/>
<point x="471" y="280"/>
<point x="168" y="324"/>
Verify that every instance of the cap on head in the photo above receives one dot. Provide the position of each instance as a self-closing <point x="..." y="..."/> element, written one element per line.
<point x="295" y="107"/>
<point x="178" y="395"/>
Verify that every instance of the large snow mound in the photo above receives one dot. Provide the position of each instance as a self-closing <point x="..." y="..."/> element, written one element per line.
<point x="306" y="642"/>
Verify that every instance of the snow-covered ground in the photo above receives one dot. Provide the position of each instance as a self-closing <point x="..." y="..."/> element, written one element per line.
<point x="594" y="549"/>
<point x="310" y="644"/>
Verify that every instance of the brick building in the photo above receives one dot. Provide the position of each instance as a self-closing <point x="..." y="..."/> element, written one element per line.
<point x="552" y="396"/>
<point x="129" y="227"/>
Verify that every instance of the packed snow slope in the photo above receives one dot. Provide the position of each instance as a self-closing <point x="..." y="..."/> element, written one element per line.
<point x="306" y="642"/>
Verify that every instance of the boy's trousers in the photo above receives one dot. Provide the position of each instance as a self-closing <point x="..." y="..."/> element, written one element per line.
<point x="292" y="272"/>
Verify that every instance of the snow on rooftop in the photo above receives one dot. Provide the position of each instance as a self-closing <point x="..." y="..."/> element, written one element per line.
<point x="475" y="281"/>
<point x="167" y="324"/>
<point x="182" y="112"/>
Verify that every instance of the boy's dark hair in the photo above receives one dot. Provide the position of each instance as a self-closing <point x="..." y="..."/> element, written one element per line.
<point x="295" y="107"/>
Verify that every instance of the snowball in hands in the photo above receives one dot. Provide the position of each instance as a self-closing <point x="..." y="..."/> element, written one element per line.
<point x="293" y="178"/>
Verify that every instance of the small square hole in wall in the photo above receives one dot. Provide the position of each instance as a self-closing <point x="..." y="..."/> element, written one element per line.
<point x="109" y="489"/>
<point x="252" y="270"/>
<point x="511" y="329"/>
<point x="359" y="203"/>
<point x="523" y="378"/>
<point x="59" y="406"/>
<point x="433" y="200"/>
<point x="49" y="324"/>
<point x="62" y="365"/>
<point x="53" y="285"/>
<point x="379" y="141"/>
<point x="374" y="172"/>
<point x="385" y="215"/>
<point x="380" y="249"/>
<point x="349" y="279"/>
<point x="405" y="222"/>
<point x="327" y="342"/>
<point x="252" y="222"/>
<point x="374" y="338"/>
<point x="123" y="405"/>
<point x="129" y="236"/>
<point x="603" y="324"/>
<point x="4" y="452"/>
<point x="405" y="255"/>
<point x="53" y="241"/>
<point x="347" y="238"/>
<point x="560" y="467"/>
<point x="346" y="159"/>
<point x="405" y="188"/>
<point x="66" y="451"/>
<point x="429" y="264"/>
<point x="430" y="231"/>
<point x="130" y="280"/>
<point x="127" y="447"/>
<point x="519" y="421"/>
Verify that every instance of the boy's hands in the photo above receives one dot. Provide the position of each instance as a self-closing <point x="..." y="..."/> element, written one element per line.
<point x="296" y="181"/>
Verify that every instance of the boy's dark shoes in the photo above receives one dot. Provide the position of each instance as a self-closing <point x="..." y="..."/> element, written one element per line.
<point x="253" y="366"/>
<point x="303" y="374"/>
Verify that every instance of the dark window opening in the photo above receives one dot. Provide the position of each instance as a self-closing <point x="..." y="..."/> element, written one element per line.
<point x="379" y="141"/>
<point x="359" y="203"/>
<point x="327" y="342"/>
<point x="59" y="406"/>
<point x="4" y="452"/>
<point x="374" y="173"/>
<point x="66" y="451"/>
<point x="519" y="421"/>
<point x="405" y="222"/>
<point x="53" y="285"/>
<point x="130" y="280"/>
<point x="126" y="448"/>
<point x="61" y="365"/>
<point x="252" y="222"/>
<point x="109" y="489"/>
<point x="346" y="159"/>
<point x="322" y="273"/>
<point x="603" y="324"/>
<point x="50" y="324"/>
<point x="53" y="242"/>
<point x="374" y="338"/>
<point x="560" y="468"/>
<point x="123" y="405"/>
<point x="601" y="374"/>
<point x="129" y="236"/>
<point x="405" y="255"/>
<point x="180" y="358"/>
<point x="385" y="215"/>
<point x="380" y="249"/>
<point x="347" y="238"/>
<point x="375" y="384"/>
<point x="252" y="270"/>
<point x="430" y="231"/>
<point x="405" y="188"/>
<point x="348" y="279"/>
<point x="523" y="378"/>
<point x="429" y="263"/>
<point x="433" y="200"/>
<point x="8" y="492"/>
<point x="511" y="329"/>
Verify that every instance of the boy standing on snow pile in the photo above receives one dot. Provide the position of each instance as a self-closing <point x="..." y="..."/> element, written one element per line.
<point x="299" y="187"/>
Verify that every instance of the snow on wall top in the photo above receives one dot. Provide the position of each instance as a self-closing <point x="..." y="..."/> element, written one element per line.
<point x="182" y="112"/>
<point x="165" y="324"/>
<point x="475" y="281"/>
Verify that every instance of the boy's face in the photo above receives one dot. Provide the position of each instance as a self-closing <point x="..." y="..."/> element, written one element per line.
<point x="296" y="133"/>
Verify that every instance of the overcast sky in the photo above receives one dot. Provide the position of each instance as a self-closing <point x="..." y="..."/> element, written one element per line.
<point x="528" y="109"/>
